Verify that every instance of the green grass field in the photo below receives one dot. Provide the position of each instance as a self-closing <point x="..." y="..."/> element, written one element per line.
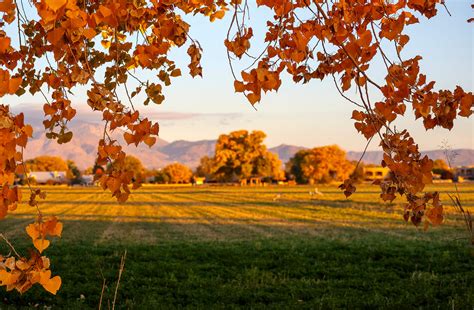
<point x="233" y="247"/>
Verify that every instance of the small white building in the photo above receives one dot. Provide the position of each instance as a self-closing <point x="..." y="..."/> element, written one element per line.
<point x="466" y="172"/>
<point x="44" y="177"/>
<point x="87" y="179"/>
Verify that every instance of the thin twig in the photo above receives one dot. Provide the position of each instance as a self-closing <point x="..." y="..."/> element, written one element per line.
<point x="102" y="292"/>
<point x="10" y="245"/>
<point x="122" y="265"/>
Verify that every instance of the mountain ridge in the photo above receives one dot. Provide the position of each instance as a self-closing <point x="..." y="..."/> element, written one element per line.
<point x="83" y="147"/>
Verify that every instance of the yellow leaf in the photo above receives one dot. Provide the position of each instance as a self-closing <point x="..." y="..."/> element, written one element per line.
<point x="217" y="15"/>
<point x="3" y="276"/>
<point x="35" y="276"/>
<point x="105" y="44"/>
<point x="22" y="265"/>
<point x="41" y="244"/>
<point x="52" y="285"/>
<point x="32" y="231"/>
<point x="46" y="262"/>
<point x="45" y="276"/>
<point x="8" y="278"/>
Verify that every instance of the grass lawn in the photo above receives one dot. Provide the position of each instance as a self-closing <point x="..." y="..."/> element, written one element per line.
<point x="232" y="247"/>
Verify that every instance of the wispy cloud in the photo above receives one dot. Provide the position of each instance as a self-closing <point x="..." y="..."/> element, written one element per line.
<point x="34" y="114"/>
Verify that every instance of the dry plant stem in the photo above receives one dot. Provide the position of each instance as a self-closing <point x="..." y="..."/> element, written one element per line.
<point x="10" y="245"/>
<point x="466" y="216"/>
<point x="456" y="200"/>
<point x="102" y="292"/>
<point x="122" y="265"/>
<point x="30" y="188"/>
<point x="363" y="153"/>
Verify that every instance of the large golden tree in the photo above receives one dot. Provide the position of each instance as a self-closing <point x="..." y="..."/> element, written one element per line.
<point x="320" y="165"/>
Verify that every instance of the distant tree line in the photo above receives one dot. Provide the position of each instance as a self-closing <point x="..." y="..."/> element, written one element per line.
<point x="238" y="155"/>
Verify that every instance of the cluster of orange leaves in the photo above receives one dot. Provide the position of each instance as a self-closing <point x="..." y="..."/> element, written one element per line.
<point x="76" y="39"/>
<point x="21" y="273"/>
<point x="116" y="178"/>
<point x="42" y="228"/>
<point x="14" y="134"/>
<point x="340" y="40"/>
<point x="240" y="44"/>
<point x="68" y="42"/>
<point x="410" y="172"/>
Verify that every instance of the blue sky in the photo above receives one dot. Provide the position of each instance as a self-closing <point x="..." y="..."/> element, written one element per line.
<point x="309" y="115"/>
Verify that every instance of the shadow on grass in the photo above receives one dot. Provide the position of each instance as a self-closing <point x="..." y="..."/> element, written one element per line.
<point x="136" y="230"/>
<point x="297" y="203"/>
<point x="318" y="273"/>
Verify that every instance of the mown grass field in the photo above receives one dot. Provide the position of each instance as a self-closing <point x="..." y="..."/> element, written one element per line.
<point x="233" y="247"/>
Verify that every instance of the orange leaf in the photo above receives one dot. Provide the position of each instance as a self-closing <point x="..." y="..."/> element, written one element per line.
<point x="150" y="141"/>
<point x="6" y="6"/>
<point x="58" y="229"/>
<point x="48" y="109"/>
<point x="28" y="130"/>
<point x="55" y="4"/>
<point x="14" y="84"/>
<point x="239" y="86"/>
<point x="89" y="33"/>
<point x="175" y="73"/>
<point x="55" y="35"/>
<point x="53" y="227"/>
<point x="113" y="184"/>
<point x="4" y="44"/>
<point x="129" y="138"/>
<point x="253" y="98"/>
<point x="357" y="115"/>
<point x="365" y="39"/>
<point x="435" y="215"/>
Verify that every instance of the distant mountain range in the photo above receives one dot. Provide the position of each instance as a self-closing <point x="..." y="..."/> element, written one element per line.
<point x="83" y="147"/>
<point x="458" y="157"/>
